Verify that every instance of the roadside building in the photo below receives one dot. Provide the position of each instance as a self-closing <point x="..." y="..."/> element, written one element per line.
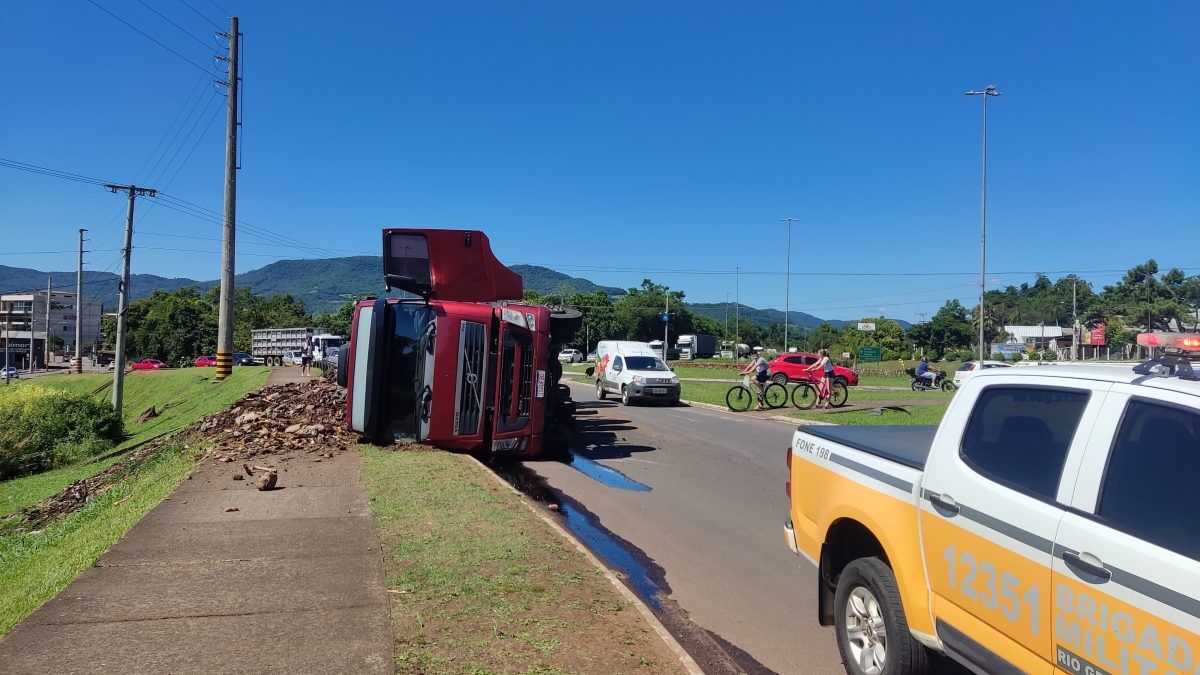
<point x="23" y="320"/>
<point x="1025" y="339"/>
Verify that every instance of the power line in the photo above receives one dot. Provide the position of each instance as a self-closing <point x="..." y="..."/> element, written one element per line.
<point x="210" y="21"/>
<point x="181" y="28"/>
<point x="54" y="173"/>
<point x="219" y="8"/>
<point x="147" y="36"/>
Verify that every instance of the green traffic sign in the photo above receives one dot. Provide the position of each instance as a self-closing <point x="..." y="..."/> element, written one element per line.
<point x="870" y="354"/>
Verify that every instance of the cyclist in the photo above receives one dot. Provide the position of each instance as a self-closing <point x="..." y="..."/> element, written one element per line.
<point x="824" y="365"/>
<point x="760" y="368"/>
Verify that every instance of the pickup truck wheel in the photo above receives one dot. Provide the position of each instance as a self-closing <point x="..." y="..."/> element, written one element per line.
<point x="600" y="393"/>
<point x="625" y="400"/>
<point x="872" y="632"/>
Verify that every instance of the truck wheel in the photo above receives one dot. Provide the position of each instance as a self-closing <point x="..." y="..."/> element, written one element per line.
<point x="600" y="393"/>
<point x="625" y="400"/>
<point x="872" y="632"/>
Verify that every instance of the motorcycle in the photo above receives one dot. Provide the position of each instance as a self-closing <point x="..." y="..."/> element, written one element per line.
<point x="942" y="381"/>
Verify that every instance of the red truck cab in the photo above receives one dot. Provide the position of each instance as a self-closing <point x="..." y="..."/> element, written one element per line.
<point x="459" y="367"/>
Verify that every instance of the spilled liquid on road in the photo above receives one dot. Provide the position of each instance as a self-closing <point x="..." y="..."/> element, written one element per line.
<point x="603" y="474"/>
<point x="615" y="553"/>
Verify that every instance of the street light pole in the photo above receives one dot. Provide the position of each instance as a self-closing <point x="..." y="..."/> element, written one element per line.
<point x="987" y="93"/>
<point x="787" y="284"/>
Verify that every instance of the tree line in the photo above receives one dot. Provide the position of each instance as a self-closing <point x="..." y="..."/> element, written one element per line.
<point x="182" y="324"/>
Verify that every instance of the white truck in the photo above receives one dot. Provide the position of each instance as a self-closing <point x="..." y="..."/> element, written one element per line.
<point x="270" y="345"/>
<point x="693" y="346"/>
<point x="1049" y="524"/>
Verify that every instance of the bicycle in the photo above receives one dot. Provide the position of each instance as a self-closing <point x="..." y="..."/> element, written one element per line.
<point x="740" y="396"/>
<point x="806" y="395"/>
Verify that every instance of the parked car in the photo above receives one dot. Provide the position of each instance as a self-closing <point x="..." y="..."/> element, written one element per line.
<point x="791" y="368"/>
<point x="971" y="368"/>
<point x="291" y="357"/>
<point x="570" y="356"/>
<point x="147" y="364"/>
<point x="591" y="356"/>
<point x="244" y="359"/>
<point x="10" y="373"/>
<point x="207" y="361"/>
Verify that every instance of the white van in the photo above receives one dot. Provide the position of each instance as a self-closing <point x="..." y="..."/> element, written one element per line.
<point x="633" y="371"/>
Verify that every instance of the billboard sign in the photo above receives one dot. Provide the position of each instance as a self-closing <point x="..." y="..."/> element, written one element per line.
<point x="866" y="326"/>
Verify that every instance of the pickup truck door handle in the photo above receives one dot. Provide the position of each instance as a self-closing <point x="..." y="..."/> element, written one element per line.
<point x="944" y="504"/>
<point x="1092" y="571"/>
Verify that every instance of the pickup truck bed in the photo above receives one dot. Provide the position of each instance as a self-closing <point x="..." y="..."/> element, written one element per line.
<point x="907" y="445"/>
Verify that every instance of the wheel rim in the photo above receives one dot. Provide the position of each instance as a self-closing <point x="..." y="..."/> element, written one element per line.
<point x="625" y="395"/>
<point x="804" y="397"/>
<point x="776" y="396"/>
<point x="738" y="399"/>
<point x="866" y="632"/>
<point x="599" y="389"/>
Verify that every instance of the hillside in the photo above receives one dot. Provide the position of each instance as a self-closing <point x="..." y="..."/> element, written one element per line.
<point x="760" y="317"/>
<point x="323" y="285"/>
<point x="546" y="280"/>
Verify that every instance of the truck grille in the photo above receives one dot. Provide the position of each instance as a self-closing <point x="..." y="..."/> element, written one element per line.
<point x="526" y="392"/>
<point x="472" y="351"/>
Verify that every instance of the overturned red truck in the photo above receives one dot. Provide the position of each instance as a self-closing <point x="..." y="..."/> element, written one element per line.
<point x="461" y="363"/>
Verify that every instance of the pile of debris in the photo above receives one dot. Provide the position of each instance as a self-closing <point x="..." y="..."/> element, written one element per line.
<point x="79" y="493"/>
<point x="282" y="421"/>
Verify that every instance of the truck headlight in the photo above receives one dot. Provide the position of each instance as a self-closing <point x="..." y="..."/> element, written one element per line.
<point x="673" y="380"/>
<point x="638" y="379"/>
<point x="508" y="444"/>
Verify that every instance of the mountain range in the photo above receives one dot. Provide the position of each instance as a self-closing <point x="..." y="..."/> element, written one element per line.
<point x="325" y="284"/>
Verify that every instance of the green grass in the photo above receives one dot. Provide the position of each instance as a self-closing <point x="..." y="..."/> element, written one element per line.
<point x="921" y="415"/>
<point x="479" y="584"/>
<point x="35" y="566"/>
<point x="182" y="396"/>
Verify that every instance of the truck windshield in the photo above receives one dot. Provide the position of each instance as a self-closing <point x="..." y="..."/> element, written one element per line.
<point x="405" y="367"/>
<point x="644" y="363"/>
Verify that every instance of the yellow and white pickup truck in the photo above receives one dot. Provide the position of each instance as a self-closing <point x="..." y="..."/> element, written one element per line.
<point x="1050" y="524"/>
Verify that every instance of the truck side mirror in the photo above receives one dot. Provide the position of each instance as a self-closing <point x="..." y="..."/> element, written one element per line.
<point x="591" y="370"/>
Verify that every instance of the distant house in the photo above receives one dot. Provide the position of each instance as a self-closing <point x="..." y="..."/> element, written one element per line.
<point x="1036" y="338"/>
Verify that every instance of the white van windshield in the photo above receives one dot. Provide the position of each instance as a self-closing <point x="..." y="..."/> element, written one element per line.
<point x="644" y="363"/>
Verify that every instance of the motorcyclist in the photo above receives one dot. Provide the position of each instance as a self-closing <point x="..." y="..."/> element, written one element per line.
<point x="926" y="371"/>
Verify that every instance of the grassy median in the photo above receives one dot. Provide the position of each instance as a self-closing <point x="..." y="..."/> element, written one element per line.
<point x="480" y="584"/>
<point x="36" y="565"/>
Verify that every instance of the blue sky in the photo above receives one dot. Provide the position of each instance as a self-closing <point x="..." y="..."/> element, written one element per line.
<point x="617" y="140"/>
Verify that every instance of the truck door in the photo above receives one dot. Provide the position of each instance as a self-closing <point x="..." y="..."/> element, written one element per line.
<point x="989" y="513"/>
<point x="1127" y="559"/>
<point x="612" y="374"/>
<point x="365" y="379"/>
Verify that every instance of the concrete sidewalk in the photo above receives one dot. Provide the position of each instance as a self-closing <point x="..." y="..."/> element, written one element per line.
<point x="292" y="580"/>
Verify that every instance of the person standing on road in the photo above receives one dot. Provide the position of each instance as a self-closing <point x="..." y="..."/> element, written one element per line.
<point x="760" y="369"/>
<point x="306" y="356"/>
<point x="825" y="366"/>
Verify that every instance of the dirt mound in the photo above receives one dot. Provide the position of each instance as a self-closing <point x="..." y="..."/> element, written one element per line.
<point x="284" y="421"/>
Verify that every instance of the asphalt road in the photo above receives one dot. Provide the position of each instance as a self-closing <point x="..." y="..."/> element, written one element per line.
<point x="711" y="523"/>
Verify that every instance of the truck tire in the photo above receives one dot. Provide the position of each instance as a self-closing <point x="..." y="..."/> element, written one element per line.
<point x="600" y="393"/>
<point x="872" y="631"/>
<point x="625" y="399"/>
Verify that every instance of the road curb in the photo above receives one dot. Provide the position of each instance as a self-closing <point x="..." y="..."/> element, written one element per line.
<point x="685" y="659"/>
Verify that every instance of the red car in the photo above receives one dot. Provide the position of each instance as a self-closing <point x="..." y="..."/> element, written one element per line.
<point x="148" y="364"/>
<point x="787" y="367"/>
<point x="206" y="362"/>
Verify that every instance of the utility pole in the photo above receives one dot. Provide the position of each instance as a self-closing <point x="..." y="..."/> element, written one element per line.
<point x="737" y="313"/>
<point x="46" y="340"/>
<point x="666" y="325"/>
<point x="1074" y="320"/>
<point x="7" y="339"/>
<point x="133" y="191"/>
<point x="922" y="316"/>
<point x="987" y="93"/>
<point x="229" y="231"/>
<point x="77" y="366"/>
<point x="787" y="285"/>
